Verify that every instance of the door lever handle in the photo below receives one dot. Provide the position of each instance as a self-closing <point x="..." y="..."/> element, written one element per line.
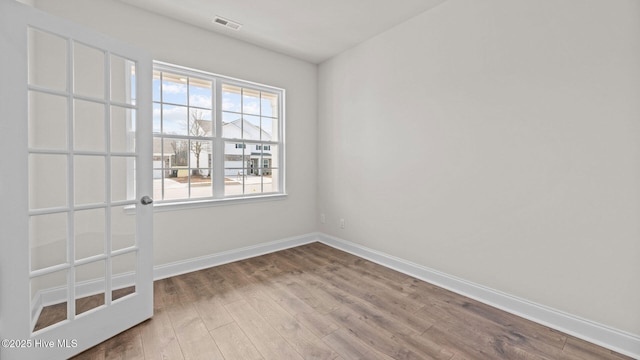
<point x="146" y="200"/>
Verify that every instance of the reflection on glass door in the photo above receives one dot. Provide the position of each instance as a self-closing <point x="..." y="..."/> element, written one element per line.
<point x="82" y="157"/>
<point x="76" y="247"/>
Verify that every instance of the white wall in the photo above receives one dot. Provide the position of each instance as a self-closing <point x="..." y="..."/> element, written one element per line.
<point x="496" y="141"/>
<point x="182" y="235"/>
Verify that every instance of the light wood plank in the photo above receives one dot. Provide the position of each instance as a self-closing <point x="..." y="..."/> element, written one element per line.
<point x="301" y="339"/>
<point x="265" y="338"/>
<point x="314" y="301"/>
<point x="350" y="347"/>
<point x="158" y="337"/>
<point x="125" y="346"/>
<point x="234" y="344"/>
<point x="193" y="336"/>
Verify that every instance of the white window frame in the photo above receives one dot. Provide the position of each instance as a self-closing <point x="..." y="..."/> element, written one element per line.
<point x="217" y="166"/>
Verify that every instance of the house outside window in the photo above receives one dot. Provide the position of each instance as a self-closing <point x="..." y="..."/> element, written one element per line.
<point x="215" y="138"/>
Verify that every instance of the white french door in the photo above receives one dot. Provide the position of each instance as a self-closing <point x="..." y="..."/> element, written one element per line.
<point x="75" y="221"/>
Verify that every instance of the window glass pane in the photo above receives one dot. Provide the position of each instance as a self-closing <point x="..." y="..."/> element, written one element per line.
<point x="174" y="89"/>
<point x="176" y="171"/>
<point x="88" y="67"/>
<point x="233" y="181"/>
<point x="47" y="121"/>
<point x="201" y="183"/>
<point x="200" y="123"/>
<point x="200" y="153"/>
<point x="157" y="116"/>
<point x="47" y="181"/>
<point x="234" y="155"/>
<point x="250" y="101"/>
<point x="48" y="240"/>
<point x="231" y="98"/>
<point x="270" y="155"/>
<point x="185" y="129"/>
<point x="175" y="184"/>
<point x="174" y="120"/>
<point x="251" y="127"/>
<point x="231" y="125"/>
<point x="269" y="129"/>
<point x="200" y="94"/>
<point x="177" y="153"/>
<point x="253" y="183"/>
<point x="88" y="126"/>
<point x="47" y="60"/>
<point x="89" y="179"/>
<point x="156" y="86"/>
<point x="269" y="104"/>
<point x="158" y="179"/>
<point x="89" y="233"/>
<point x="270" y="180"/>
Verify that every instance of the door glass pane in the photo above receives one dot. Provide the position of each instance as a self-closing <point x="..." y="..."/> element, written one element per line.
<point x="47" y="60"/>
<point x="88" y="71"/>
<point x="124" y="275"/>
<point x="89" y="177"/>
<point x="123" y="178"/>
<point x="123" y="228"/>
<point x="88" y="126"/>
<point x="90" y="286"/>
<point x="53" y="308"/>
<point x="48" y="240"/>
<point x="47" y="181"/>
<point x="89" y="232"/>
<point x="123" y="76"/>
<point x="47" y="121"/>
<point x="123" y="129"/>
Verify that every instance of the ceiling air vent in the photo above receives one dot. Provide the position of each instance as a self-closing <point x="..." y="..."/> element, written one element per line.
<point x="227" y="23"/>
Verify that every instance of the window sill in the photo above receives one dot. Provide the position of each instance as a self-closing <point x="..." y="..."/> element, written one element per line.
<point x="196" y="204"/>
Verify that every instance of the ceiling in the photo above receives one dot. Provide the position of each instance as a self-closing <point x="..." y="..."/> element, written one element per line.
<point x="310" y="30"/>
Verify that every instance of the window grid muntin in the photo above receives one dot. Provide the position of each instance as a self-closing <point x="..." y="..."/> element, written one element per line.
<point x="266" y="93"/>
<point x="162" y="135"/>
<point x="70" y="152"/>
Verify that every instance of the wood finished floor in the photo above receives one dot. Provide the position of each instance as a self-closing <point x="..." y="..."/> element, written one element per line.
<point x="316" y="302"/>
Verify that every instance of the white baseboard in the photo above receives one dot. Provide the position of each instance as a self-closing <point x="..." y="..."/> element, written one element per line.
<point x="207" y="261"/>
<point x="58" y="295"/>
<point x="613" y="339"/>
